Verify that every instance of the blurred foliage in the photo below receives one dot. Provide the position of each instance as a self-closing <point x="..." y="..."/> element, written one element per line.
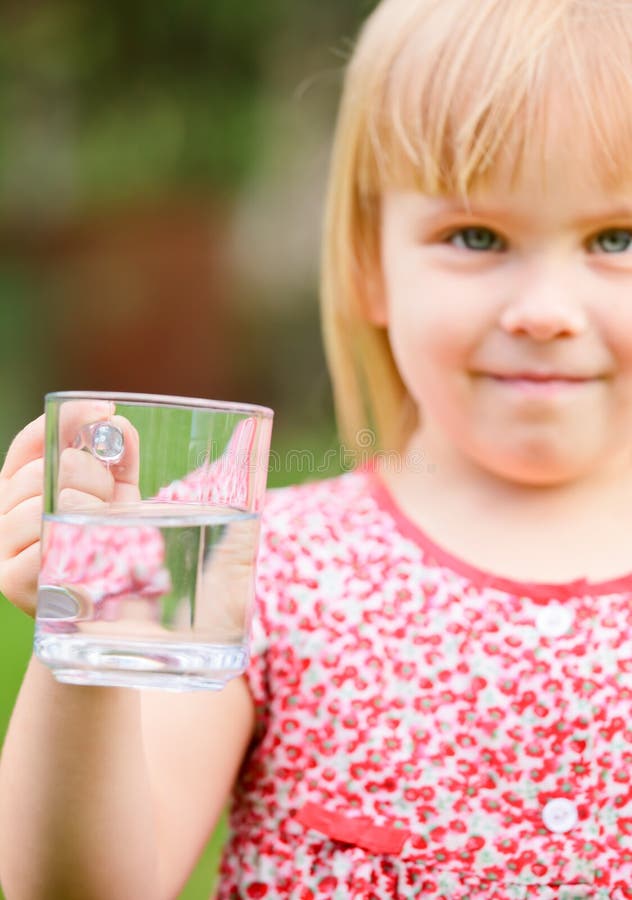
<point x="117" y="104"/>
<point x="162" y="113"/>
<point x="118" y="97"/>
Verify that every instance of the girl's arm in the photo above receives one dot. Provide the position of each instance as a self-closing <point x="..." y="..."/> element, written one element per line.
<point x="105" y="793"/>
<point x="109" y="792"/>
<point x="196" y="744"/>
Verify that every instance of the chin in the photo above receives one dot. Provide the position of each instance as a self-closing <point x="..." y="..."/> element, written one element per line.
<point x="539" y="477"/>
<point x="537" y="471"/>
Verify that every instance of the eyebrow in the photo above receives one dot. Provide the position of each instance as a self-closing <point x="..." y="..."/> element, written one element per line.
<point x="620" y="212"/>
<point x="583" y="221"/>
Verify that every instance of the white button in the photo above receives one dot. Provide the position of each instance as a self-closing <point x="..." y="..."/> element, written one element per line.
<point x="554" y="620"/>
<point x="560" y="815"/>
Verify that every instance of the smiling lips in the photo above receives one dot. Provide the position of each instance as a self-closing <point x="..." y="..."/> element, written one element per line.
<point x="539" y="376"/>
<point x="541" y="382"/>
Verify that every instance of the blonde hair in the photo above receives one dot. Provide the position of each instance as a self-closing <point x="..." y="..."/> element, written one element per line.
<point x="438" y="95"/>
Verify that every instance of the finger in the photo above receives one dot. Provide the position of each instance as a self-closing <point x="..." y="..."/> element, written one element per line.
<point x="27" y="482"/>
<point x="126" y="493"/>
<point x="74" y="414"/>
<point x="124" y="475"/>
<point x="20" y="527"/>
<point x="71" y="500"/>
<point x="26" y="446"/>
<point x="18" y="578"/>
<point x="127" y="472"/>
<point x="82" y="472"/>
<point x="29" y="443"/>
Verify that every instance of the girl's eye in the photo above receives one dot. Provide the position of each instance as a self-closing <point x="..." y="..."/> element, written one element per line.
<point x="476" y="238"/>
<point x="614" y="240"/>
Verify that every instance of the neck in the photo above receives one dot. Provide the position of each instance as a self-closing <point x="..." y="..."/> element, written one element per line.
<point x="438" y="471"/>
<point x="556" y="533"/>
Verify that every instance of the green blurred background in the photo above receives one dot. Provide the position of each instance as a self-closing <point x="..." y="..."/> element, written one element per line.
<point x="162" y="169"/>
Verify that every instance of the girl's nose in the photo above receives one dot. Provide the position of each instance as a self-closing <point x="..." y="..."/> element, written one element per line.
<point x="547" y="307"/>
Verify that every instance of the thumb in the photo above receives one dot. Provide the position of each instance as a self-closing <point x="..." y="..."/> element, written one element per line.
<point x="126" y="473"/>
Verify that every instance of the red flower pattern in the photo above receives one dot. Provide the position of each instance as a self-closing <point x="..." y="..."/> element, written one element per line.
<point x="418" y="708"/>
<point x="426" y="699"/>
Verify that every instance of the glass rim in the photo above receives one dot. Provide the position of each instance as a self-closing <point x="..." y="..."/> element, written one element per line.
<point x="166" y="400"/>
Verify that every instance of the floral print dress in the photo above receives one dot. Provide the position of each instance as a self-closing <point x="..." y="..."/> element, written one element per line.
<point x="426" y="729"/>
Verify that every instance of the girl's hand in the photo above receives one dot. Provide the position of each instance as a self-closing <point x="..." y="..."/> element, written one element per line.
<point x="82" y="479"/>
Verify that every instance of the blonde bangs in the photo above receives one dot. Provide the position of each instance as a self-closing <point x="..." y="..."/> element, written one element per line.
<point x="445" y="97"/>
<point x="505" y="86"/>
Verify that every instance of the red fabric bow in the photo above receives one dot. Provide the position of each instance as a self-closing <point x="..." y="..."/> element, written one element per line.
<point x="358" y="830"/>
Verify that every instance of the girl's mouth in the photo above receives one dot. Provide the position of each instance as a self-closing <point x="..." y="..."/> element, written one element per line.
<point x="542" y="384"/>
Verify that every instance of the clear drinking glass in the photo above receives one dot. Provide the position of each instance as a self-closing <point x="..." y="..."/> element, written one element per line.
<point x="149" y="538"/>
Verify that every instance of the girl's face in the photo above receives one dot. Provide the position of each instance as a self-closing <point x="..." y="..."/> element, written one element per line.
<point x="511" y="324"/>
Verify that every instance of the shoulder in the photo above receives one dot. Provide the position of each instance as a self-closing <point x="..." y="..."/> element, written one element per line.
<point x="321" y="538"/>
<point x="303" y="558"/>
<point x="312" y="494"/>
<point x="327" y="507"/>
<point x="309" y="532"/>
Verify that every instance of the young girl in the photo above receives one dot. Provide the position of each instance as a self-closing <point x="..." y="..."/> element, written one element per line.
<point x="438" y="704"/>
